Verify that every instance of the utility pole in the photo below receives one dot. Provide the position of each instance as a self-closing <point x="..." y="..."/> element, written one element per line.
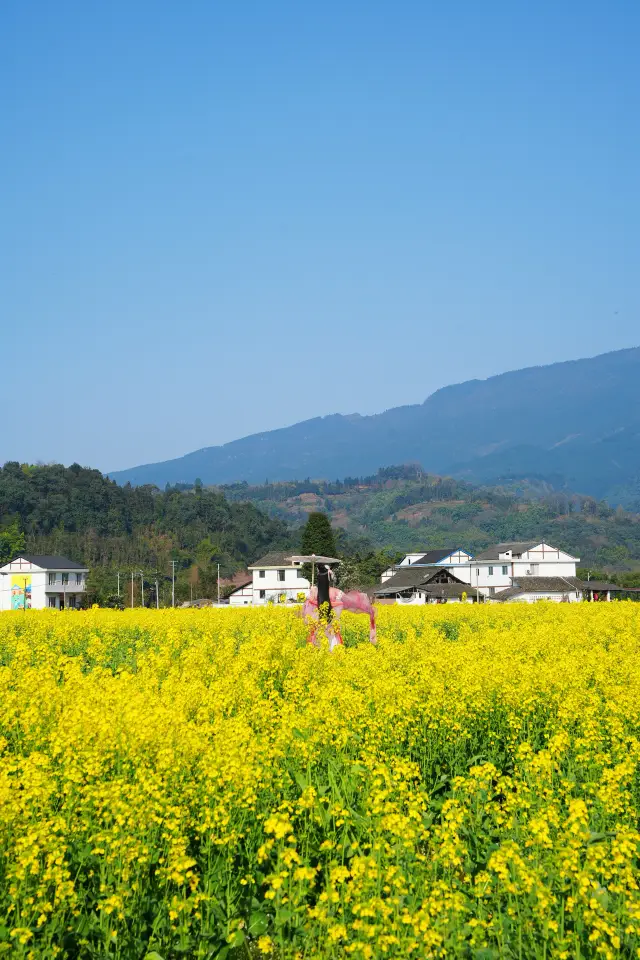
<point x="157" y="594"/>
<point x="218" y="584"/>
<point x="173" y="582"/>
<point x="142" y="587"/>
<point x="118" y="575"/>
<point x="132" y="574"/>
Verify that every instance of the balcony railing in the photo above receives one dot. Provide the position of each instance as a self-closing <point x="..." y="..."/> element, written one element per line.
<point x="70" y="585"/>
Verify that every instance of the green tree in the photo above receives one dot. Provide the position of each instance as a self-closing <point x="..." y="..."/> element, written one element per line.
<point x="317" y="536"/>
<point x="11" y="542"/>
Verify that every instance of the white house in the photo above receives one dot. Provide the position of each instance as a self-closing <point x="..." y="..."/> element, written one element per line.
<point x="530" y="589"/>
<point x="496" y="568"/>
<point x="242" y="595"/>
<point x="37" y="582"/>
<point x="447" y="557"/>
<point x="417" y="584"/>
<point x="277" y="579"/>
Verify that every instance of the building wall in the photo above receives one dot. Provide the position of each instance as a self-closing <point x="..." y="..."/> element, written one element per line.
<point x="242" y="597"/>
<point x="573" y="596"/>
<point x="15" y="576"/>
<point x="12" y="586"/>
<point x="271" y="585"/>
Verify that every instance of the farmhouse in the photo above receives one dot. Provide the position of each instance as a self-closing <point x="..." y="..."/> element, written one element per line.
<point x="528" y="589"/>
<point x="449" y="557"/>
<point x="277" y="578"/>
<point x="34" y="581"/>
<point x="242" y="594"/>
<point x="422" y="584"/>
<point x="507" y="571"/>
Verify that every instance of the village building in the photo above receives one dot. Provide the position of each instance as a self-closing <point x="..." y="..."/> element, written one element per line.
<point x="494" y="569"/>
<point x="38" y="582"/>
<point x="276" y="578"/>
<point x="417" y="584"/>
<point x="529" y="589"/>
<point x="242" y="594"/>
<point x="446" y="557"/>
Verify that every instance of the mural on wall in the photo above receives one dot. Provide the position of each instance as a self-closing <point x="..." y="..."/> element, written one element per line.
<point x="20" y="592"/>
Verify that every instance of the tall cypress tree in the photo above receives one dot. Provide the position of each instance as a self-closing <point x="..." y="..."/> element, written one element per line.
<point x="317" y="537"/>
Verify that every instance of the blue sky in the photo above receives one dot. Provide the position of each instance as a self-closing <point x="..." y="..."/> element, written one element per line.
<point x="219" y="218"/>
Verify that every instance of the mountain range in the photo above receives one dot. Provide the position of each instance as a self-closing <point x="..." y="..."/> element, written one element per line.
<point x="574" y="424"/>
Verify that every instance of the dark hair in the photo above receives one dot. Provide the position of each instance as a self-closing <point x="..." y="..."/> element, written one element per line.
<point x="323" y="587"/>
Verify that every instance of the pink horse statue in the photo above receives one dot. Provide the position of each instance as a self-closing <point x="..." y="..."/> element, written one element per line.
<point x="353" y="601"/>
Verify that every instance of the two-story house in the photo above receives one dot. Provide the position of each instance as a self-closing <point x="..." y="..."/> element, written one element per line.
<point x="491" y="572"/>
<point x="276" y="578"/>
<point x="448" y="557"/>
<point x="36" y="581"/>
<point x="496" y="568"/>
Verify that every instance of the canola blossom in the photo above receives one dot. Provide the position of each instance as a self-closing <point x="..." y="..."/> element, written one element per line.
<point x="181" y="784"/>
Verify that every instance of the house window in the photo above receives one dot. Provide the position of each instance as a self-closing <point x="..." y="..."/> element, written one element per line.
<point x="492" y="591"/>
<point x="52" y="580"/>
<point x="490" y="571"/>
<point x="261" y="574"/>
<point x="71" y="601"/>
<point x="300" y="574"/>
<point x="52" y="601"/>
<point x="281" y="576"/>
<point x="65" y="578"/>
<point x="505" y="570"/>
<point x="78" y="578"/>
<point x="263" y="594"/>
<point x="534" y="569"/>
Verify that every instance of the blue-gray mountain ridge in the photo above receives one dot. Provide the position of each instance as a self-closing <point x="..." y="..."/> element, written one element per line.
<point x="575" y="423"/>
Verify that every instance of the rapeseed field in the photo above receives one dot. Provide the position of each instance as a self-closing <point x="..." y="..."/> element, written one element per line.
<point x="203" y="784"/>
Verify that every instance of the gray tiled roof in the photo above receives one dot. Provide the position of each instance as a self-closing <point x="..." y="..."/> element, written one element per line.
<point x="49" y="562"/>
<point x="240" y="586"/>
<point x="600" y="585"/>
<point x="408" y="578"/>
<point x="276" y="558"/>
<point x="517" y="547"/>
<point x="522" y="585"/>
<point x="435" y="556"/>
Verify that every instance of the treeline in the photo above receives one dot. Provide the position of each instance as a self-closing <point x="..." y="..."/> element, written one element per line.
<point x="404" y="508"/>
<point x="77" y="512"/>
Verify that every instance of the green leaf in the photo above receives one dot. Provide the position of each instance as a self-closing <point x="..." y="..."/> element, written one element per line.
<point x="599" y="837"/>
<point x="238" y="939"/>
<point x="4" y="933"/>
<point x="258" y="924"/>
<point x="153" y="956"/>
<point x="301" y="780"/>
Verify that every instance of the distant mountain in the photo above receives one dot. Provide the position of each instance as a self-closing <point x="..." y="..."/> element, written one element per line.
<point x="577" y="423"/>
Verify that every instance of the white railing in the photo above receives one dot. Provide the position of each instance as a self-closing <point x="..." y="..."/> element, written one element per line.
<point x="69" y="585"/>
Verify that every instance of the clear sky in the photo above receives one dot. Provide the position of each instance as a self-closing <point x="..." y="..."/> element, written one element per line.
<point x="223" y="217"/>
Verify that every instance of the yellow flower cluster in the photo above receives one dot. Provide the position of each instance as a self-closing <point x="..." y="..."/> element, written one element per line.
<point x="205" y="784"/>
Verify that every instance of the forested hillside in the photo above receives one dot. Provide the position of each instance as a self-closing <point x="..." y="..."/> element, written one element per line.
<point x="79" y="513"/>
<point x="406" y="509"/>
